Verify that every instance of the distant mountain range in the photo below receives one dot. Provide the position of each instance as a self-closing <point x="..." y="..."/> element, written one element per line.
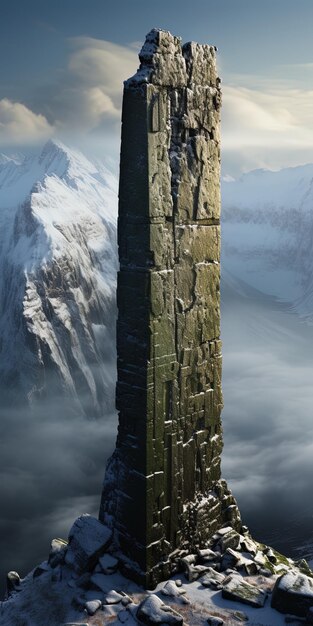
<point x="58" y="260"/>
<point x="267" y="236"/>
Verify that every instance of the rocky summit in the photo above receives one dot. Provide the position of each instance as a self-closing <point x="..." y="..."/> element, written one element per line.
<point x="232" y="580"/>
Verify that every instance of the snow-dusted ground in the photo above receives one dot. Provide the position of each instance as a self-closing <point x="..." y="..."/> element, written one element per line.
<point x="49" y="604"/>
<point x="67" y="591"/>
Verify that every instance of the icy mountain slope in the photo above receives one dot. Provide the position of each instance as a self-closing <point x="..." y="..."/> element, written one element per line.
<point x="58" y="261"/>
<point x="268" y="232"/>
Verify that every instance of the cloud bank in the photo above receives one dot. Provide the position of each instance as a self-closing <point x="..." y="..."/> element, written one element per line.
<point x="52" y="469"/>
<point x="268" y="127"/>
<point x="20" y="125"/>
<point x="266" y="122"/>
<point x="90" y="91"/>
<point x="267" y="418"/>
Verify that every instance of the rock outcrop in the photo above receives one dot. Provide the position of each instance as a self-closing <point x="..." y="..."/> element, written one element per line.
<point x="162" y="490"/>
<point x="81" y="583"/>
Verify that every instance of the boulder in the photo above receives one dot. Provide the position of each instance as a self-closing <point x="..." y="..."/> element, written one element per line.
<point x="215" y="621"/>
<point x="248" y="545"/>
<point x="237" y="589"/>
<point x="108" y="564"/>
<point x="92" y="606"/>
<point x="152" y="611"/>
<point x="172" y="590"/>
<point x="212" y="579"/>
<point x="113" y="597"/>
<point x="57" y="551"/>
<point x="229" y="539"/>
<point x="193" y="572"/>
<point x="208" y="556"/>
<point x="229" y="559"/>
<point x="13" y="583"/>
<point x="88" y="540"/>
<point x="293" y="594"/>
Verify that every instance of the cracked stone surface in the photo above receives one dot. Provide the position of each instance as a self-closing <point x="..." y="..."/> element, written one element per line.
<point x="163" y="488"/>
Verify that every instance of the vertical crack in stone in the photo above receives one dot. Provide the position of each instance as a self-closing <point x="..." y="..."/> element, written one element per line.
<point x="163" y="490"/>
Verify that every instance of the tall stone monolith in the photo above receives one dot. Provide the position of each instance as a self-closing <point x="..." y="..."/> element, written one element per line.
<point x="162" y="490"/>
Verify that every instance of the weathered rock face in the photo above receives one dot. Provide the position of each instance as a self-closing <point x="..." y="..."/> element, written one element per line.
<point x="162" y="488"/>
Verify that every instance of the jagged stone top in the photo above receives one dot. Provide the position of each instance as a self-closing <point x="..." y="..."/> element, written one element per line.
<point x="166" y="62"/>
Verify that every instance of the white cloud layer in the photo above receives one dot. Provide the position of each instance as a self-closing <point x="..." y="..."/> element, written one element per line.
<point x="265" y="122"/>
<point x="272" y="127"/>
<point x="86" y="97"/>
<point x="18" y="124"/>
<point x="91" y="91"/>
<point x="102" y="63"/>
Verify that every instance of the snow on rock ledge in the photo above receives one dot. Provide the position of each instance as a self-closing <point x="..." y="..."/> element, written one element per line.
<point x="153" y="611"/>
<point x="293" y="593"/>
<point x="88" y="540"/>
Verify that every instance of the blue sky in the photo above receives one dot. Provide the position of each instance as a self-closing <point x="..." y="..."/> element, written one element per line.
<point x="63" y="64"/>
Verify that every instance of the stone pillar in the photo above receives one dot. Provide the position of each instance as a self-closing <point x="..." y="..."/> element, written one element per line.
<point x="162" y="490"/>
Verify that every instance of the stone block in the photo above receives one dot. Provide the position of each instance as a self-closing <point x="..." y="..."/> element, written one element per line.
<point x="88" y="539"/>
<point x="200" y="60"/>
<point x="293" y="593"/>
<point x="153" y="611"/>
<point x="238" y="590"/>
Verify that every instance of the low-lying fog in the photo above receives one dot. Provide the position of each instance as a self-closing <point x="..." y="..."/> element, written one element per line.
<point x="268" y="418"/>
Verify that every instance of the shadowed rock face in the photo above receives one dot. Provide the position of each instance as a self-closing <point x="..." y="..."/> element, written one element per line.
<point x="162" y="490"/>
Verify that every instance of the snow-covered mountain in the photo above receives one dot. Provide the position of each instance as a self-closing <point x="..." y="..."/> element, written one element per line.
<point x="268" y="233"/>
<point x="58" y="261"/>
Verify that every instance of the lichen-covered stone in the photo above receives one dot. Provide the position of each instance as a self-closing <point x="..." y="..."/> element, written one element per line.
<point x="238" y="590"/>
<point x="293" y="593"/>
<point x="162" y="489"/>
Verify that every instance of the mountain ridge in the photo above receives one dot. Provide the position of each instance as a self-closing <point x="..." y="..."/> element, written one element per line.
<point x="268" y="232"/>
<point x="58" y="256"/>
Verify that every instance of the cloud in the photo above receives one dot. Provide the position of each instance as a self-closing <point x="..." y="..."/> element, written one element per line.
<point x="269" y="127"/>
<point x="266" y="121"/>
<point x="102" y="63"/>
<point x="268" y="429"/>
<point x="56" y="475"/>
<point x="20" y="125"/>
<point x="85" y="109"/>
<point x="90" y="91"/>
<point x="84" y="100"/>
